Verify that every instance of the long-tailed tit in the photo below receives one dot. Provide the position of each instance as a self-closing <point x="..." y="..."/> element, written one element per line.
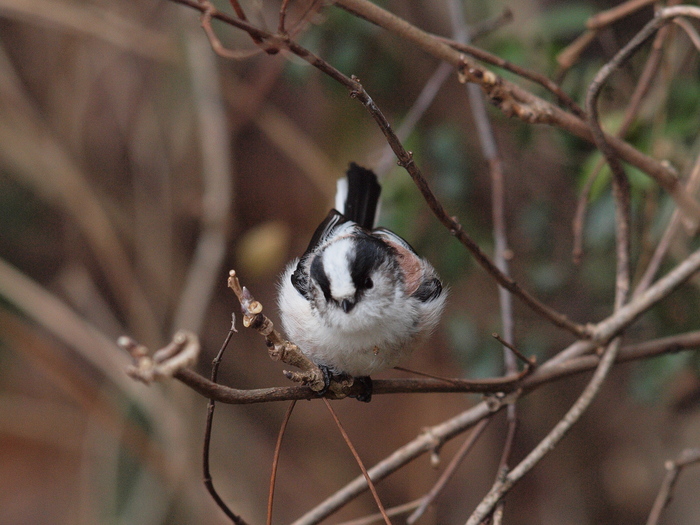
<point x="359" y="299"/>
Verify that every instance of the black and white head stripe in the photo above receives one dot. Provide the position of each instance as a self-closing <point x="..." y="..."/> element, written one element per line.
<point x="369" y="254"/>
<point x="343" y="270"/>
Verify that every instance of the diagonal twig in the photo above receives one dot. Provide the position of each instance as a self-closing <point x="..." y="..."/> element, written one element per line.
<point x="501" y="487"/>
<point x="490" y="150"/>
<point x="640" y="91"/>
<point x="457" y="459"/>
<point x="276" y="457"/>
<point x="686" y="458"/>
<point x="208" y="480"/>
<point x="370" y="483"/>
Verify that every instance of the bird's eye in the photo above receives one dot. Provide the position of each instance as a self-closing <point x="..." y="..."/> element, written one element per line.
<point x="369" y="283"/>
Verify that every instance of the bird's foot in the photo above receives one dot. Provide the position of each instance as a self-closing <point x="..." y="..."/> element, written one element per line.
<point x="327" y="378"/>
<point x="365" y="383"/>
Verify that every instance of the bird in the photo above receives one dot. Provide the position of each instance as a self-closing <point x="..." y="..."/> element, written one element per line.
<point x="360" y="298"/>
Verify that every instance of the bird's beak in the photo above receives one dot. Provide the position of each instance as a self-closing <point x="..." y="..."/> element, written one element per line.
<point x="347" y="305"/>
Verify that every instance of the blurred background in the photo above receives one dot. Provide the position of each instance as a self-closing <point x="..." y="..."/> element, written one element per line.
<point x="137" y="167"/>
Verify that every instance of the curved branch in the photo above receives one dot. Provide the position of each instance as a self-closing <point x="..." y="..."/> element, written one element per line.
<point x="546" y="373"/>
<point x="405" y="158"/>
<point x="551" y="440"/>
<point x="510" y="98"/>
<point x="435" y="436"/>
<point x="516" y="101"/>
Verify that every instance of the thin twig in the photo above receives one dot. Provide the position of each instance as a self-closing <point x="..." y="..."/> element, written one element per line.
<point x="238" y="9"/>
<point x="568" y="56"/>
<point x="370" y="483"/>
<point x="413" y="115"/>
<point x="276" y="458"/>
<point x="456" y="460"/>
<point x="435" y="436"/>
<point x="377" y="517"/>
<point x="673" y="469"/>
<point x="641" y="89"/>
<point x="533" y="76"/>
<point x="501" y="487"/>
<point x="665" y="242"/>
<point x="208" y="12"/>
<point x="690" y="31"/>
<point x="208" y="481"/>
<point x="529" y="362"/>
<point x="281" y="29"/>
<point x="480" y="29"/>
<point x="621" y="185"/>
<point x="612" y="15"/>
<point x="507" y="382"/>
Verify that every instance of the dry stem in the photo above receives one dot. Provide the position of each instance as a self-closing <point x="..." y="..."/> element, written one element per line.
<point x="279" y="348"/>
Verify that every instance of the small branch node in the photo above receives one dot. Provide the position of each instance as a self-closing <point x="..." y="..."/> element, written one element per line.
<point x="181" y="352"/>
<point x="436" y="446"/>
<point x="279" y="349"/>
<point x="530" y="362"/>
<point x="494" y="402"/>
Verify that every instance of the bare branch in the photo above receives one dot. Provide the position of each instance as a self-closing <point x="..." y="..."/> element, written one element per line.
<point x="605" y="18"/>
<point x="533" y="76"/>
<point x="279" y="348"/>
<point x="370" y="484"/>
<point x="551" y="440"/>
<point x="457" y="459"/>
<point x="665" y="242"/>
<point x="276" y="457"/>
<point x="211" y="405"/>
<point x="182" y="352"/>
<point x="686" y="458"/>
<point x="690" y="31"/>
<point x="645" y="81"/>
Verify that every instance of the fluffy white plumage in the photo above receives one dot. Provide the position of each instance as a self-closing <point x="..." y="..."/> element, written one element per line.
<point x="359" y="300"/>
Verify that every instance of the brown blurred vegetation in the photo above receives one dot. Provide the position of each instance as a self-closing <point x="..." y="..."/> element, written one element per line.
<point x="137" y="167"/>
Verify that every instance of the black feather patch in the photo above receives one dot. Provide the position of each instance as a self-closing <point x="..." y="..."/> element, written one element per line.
<point x="370" y="252"/>
<point x="428" y="290"/>
<point x="318" y="274"/>
<point x="325" y="230"/>
<point x="363" y="196"/>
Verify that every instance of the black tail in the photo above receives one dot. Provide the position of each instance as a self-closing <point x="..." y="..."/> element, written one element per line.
<point x="363" y="196"/>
